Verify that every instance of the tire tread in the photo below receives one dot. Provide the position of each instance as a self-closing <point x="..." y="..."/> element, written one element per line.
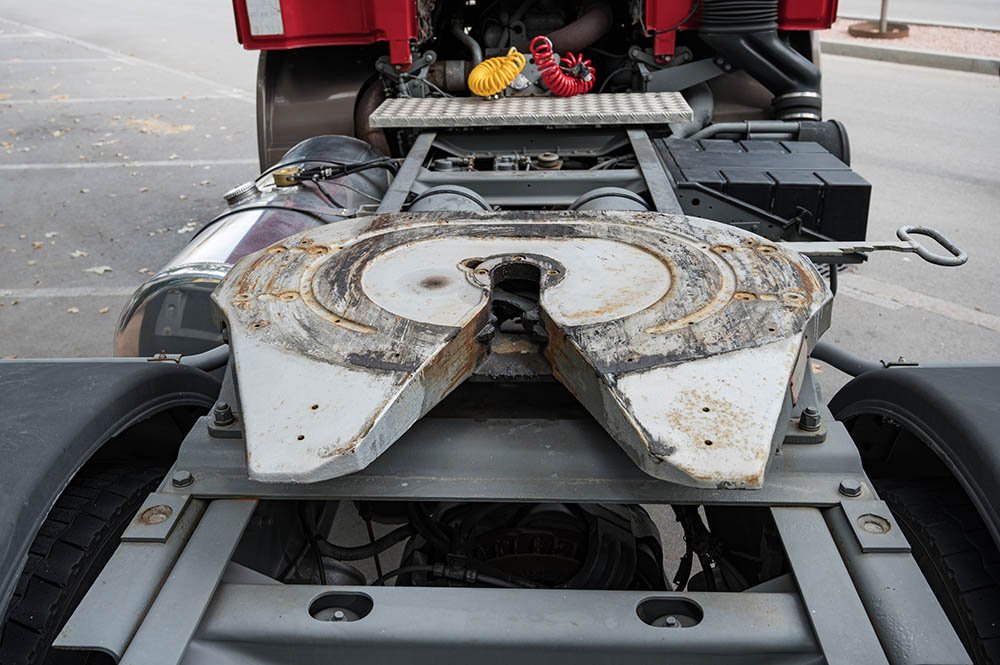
<point x="85" y="521"/>
<point x="956" y="553"/>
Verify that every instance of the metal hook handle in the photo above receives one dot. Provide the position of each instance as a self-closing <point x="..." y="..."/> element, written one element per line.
<point x="957" y="258"/>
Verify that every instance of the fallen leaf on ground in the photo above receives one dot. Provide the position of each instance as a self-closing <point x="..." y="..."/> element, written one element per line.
<point x="98" y="270"/>
<point x="78" y="253"/>
<point x="155" y="125"/>
<point x="104" y="310"/>
<point x="73" y="310"/>
<point x="38" y="244"/>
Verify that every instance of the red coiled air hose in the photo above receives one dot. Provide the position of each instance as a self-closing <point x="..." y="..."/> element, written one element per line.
<point x="561" y="83"/>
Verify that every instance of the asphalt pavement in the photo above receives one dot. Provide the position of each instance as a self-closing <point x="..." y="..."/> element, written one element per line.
<point x="978" y="13"/>
<point x="122" y="125"/>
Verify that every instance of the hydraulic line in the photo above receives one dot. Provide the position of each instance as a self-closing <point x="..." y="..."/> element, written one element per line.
<point x="213" y="359"/>
<point x="365" y="551"/>
<point x="408" y="570"/>
<point x="491" y="77"/>
<point x="572" y="76"/>
<point x="475" y="50"/>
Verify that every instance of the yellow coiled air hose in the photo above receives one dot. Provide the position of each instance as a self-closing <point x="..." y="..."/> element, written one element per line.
<point x="491" y="77"/>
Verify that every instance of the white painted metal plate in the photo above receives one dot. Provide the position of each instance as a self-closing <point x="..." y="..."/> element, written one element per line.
<point x="265" y="17"/>
<point x="626" y="108"/>
<point x="679" y="335"/>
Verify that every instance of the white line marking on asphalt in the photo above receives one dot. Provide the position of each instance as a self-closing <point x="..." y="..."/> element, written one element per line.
<point x="69" y="292"/>
<point x="22" y="35"/>
<point x="137" y="164"/>
<point x="871" y="299"/>
<point x="113" y="100"/>
<point x="235" y="93"/>
<point x="892" y="296"/>
<point x="54" y="61"/>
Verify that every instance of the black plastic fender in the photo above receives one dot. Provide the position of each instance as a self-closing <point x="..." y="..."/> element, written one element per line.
<point x="56" y="415"/>
<point x="953" y="410"/>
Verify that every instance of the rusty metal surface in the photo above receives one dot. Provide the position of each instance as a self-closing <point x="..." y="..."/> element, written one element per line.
<point x="679" y="335"/>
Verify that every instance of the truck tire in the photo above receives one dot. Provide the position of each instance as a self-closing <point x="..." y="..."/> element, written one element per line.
<point x="956" y="554"/>
<point x="76" y="539"/>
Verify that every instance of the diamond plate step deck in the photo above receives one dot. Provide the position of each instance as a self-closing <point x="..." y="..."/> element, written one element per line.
<point x="683" y="337"/>
<point x="648" y="108"/>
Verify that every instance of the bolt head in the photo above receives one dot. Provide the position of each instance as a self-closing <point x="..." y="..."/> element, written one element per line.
<point x="339" y="615"/>
<point x="850" y="487"/>
<point x="156" y="515"/>
<point x="222" y="414"/>
<point x="810" y="419"/>
<point x="181" y="478"/>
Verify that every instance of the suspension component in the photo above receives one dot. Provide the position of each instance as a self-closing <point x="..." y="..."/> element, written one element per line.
<point x="491" y="77"/>
<point x="572" y="76"/>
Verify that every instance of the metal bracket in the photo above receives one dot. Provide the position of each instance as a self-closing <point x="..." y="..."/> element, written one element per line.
<point x="163" y="357"/>
<point x="656" y="176"/>
<point x="156" y="518"/>
<point x="191" y="586"/>
<point x="874" y="526"/>
<point x="839" y="618"/>
<point x="680" y="77"/>
<point x="109" y="615"/>
<point x="396" y="196"/>
<point x="795" y="434"/>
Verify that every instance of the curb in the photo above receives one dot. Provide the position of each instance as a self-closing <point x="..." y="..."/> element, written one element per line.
<point x="919" y="21"/>
<point x="953" y="61"/>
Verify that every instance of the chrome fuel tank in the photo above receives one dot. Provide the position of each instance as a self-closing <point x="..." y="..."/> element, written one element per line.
<point x="172" y="311"/>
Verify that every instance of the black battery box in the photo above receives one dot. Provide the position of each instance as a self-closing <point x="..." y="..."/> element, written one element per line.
<point x="784" y="178"/>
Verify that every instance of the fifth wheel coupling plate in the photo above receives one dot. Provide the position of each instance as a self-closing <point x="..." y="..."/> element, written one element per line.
<point x="680" y="335"/>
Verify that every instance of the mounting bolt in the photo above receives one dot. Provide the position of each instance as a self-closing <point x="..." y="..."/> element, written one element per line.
<point x="339" y="615"/>
<point x="181" y="478"/>
<point x="671" y="622"/>
<point x="223" y="414"/>
<point x="850" y="488"/>
<point x="810" y="420"/>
